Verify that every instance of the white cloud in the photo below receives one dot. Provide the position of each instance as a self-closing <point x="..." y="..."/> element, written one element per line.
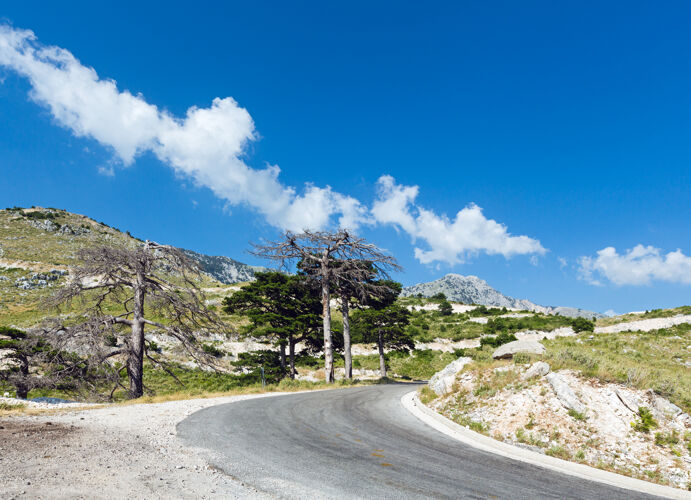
<point x="106" y="170"/>
<point x="562" y="262"/>
<point x="638" y="266"/>
<point x="451" y="241"/>
<point x="206" y="146"/>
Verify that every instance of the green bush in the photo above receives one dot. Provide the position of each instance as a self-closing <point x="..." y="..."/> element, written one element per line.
<point x="445" y="308"/>
<point x="582" y="325"/>
<point x="645" y="420"/>
<point x="497" y="340"/>
<point x="212" y="350"/>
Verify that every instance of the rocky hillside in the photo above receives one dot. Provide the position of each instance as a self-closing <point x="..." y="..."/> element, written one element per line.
<point x="39" y="245"/>
<point x="473" y="290"/>
<point x="224" y="269"/>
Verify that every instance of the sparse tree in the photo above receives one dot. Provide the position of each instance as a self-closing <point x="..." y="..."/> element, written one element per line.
<point x="319" y="251"/>
<point x="141" y="283"/>
<point x="383" y="321"/>
<point x="284" y="308"/>
<point x="445" y="308"/>
<point x="387" y="328"/>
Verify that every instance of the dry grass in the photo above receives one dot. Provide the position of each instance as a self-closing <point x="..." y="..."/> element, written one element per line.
<point x="645" y="360"/>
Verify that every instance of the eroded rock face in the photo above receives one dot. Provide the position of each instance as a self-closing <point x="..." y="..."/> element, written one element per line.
<point x="441" y="382"/>
<point x="564" y="393"/>
<point x="508" y="350"/>
<point x="539" y="369"/>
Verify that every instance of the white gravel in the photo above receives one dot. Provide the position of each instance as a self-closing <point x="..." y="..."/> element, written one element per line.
<point x="644" y="325"/>
<point x="124" y="451"/>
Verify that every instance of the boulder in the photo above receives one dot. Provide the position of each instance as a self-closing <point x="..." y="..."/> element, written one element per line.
<point x="564" y="393"/>
<point x="508" y="350"/>
<point x="442" y="381"/>
<point x="669" y="410"/>
<point x="539" y="369"/>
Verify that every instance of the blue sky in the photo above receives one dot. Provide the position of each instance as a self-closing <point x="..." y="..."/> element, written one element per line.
<point x="561" y="131"/>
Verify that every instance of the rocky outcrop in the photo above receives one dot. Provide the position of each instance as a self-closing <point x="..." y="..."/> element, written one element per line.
<point x="473" y="290"/>
<point x="508" y="350"/>
<point x="39" y="280"/>
<point x="661" y="405"/>
<point x="564" y="393"/>
<point x="539" y="369"/>
<point x="224" y="269"/>
<point x="442" y="381"/>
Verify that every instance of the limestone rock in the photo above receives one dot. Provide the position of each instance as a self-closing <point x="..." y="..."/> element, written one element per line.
<point x="508" y="350"/>
<point x="442" y="381"/>
<point x="539" y="369"/>
<point x="564" y="393"/>
<point x="630" y="402"/>
<point x="663" y="406"/>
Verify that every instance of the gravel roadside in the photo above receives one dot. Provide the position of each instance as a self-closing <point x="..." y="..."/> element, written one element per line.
<point x="125" y="451"/>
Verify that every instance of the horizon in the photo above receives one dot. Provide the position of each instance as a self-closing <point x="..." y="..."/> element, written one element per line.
<point x="542" y="148"/>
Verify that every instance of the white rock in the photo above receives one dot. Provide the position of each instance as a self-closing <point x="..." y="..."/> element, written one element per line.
<point x="631" y="402"/>
<point x="442" y="381"/>
<point x="508" y="350"/>
<point x="539" y="369"/>
<point x="564" y="393"/>
<point x="663" y="406"/>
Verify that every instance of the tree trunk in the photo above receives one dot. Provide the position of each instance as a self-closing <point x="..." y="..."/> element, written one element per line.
<point x="283" y="358"/>
<point x="22" y="390"/>
<point x="382" y="359"/>
<point x="346" y="339"/>
<point x="135" y="362"/>
<point x="291" y="354"/>
<point x="328" y="348"/>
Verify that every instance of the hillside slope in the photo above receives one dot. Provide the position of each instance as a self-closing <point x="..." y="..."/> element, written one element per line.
<point x="473" y="290"/>
<point x="38" y="246"/>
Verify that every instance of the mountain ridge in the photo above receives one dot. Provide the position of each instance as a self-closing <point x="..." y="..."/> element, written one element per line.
<point x="474" y="290"/>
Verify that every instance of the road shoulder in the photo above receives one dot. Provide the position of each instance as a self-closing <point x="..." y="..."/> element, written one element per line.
<point x="411" y="403"/>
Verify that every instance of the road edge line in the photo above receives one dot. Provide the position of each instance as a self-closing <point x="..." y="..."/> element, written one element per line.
<point x="412" y="403"/>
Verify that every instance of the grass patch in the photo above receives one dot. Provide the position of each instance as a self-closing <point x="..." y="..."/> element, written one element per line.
<point x="577" y="415"/>
<point x="646" y="360"/>
<point x="11" y="406"/>
<point x="426" y="395"/>
<point x="558" y="452"/>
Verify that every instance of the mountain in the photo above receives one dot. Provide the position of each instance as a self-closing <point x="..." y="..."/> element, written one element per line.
<point x="224" y="269"/>
<point x="38" y="246"/>
<point x="473" y="290"/>
<point x="40" y="239"/>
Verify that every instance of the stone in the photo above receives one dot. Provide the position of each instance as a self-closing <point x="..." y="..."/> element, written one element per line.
<point x="539" y="369"/>
<point x="442" y="381"/>
<point x="564" y="393"/>
<point x="630" y="402"/>
<point x="508" y="350"/>
<point x="663" y="406"/>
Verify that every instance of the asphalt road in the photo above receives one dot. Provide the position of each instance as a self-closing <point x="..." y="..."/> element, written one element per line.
<point x="362" y="443"/>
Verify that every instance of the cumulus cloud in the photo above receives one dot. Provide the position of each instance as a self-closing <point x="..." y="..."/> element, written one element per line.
<point x="637" y="266"/>
<point x="207" y="145"/>
<point x="447" y="240"/>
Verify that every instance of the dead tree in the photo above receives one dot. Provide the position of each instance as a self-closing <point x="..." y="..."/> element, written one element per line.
<point x="141" y="283"/>
<point x="320" y="253"/>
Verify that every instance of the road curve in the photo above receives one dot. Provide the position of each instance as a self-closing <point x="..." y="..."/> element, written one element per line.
<point x="362" y="443"/>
